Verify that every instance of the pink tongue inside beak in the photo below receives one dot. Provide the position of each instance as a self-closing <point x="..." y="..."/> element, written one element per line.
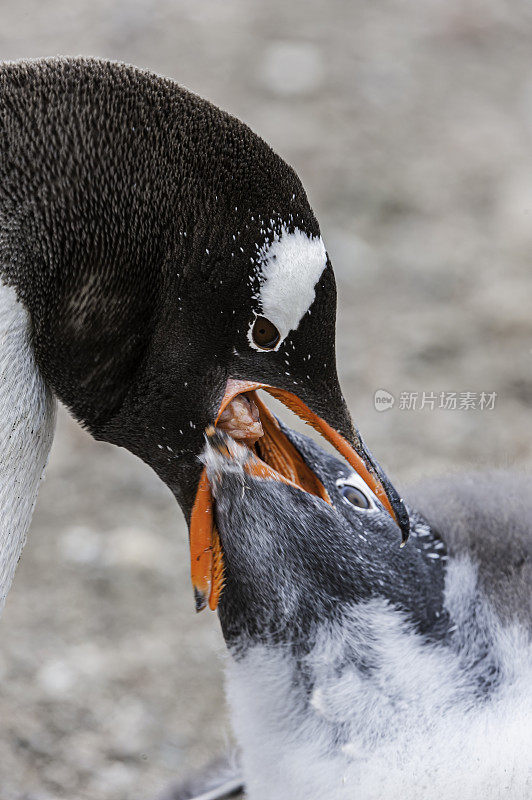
<point x="241" y="420"/>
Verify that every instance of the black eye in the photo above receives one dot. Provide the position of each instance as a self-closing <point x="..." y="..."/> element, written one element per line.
<point x="265" y="334"/>
<point x="354" y="496"/>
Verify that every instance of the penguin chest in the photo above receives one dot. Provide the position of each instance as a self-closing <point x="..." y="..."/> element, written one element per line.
<point x="374" y="712"/>
<point x="27" y="422"/>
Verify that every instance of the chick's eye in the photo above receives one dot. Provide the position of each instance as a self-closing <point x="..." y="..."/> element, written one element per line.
<point x="354" y="496"/>
<point x="265" y="334"/>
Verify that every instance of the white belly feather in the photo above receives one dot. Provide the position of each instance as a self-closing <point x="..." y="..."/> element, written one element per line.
<point x="27" y="423"/>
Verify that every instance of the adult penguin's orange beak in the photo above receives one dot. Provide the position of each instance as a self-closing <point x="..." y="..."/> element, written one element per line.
<point x="277" y="459"/>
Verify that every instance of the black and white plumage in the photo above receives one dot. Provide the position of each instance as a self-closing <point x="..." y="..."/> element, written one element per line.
<point x="143" y="233"/>
<point x="364" y="671"/>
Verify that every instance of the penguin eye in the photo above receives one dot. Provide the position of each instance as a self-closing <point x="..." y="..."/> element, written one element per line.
<point x="355" y="492"/>
<point x="265" y="334"/>
<point x="355" y="496"/>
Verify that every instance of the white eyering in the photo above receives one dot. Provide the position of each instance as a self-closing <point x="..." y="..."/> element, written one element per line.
<point x="357" y="482"/>
<point x="290" y="267"/>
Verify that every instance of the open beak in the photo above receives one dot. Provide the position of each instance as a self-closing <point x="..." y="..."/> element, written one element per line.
<point x="276" y="458"/>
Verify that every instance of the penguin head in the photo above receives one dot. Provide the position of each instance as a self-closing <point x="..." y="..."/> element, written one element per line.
<point x="289" y="560"/>
<point x="169" y="260"/>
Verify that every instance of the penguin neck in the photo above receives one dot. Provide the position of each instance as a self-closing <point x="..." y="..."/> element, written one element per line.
<point x="412" y="578"/>
<point x="353" y="570"/>
<point x="27" y="424"/>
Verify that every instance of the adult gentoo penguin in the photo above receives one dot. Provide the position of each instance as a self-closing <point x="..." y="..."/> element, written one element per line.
<point x="157" y="258"/>
<point x="362" y="671"/>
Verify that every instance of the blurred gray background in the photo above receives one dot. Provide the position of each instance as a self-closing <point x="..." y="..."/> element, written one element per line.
<point x="410" y="124"/>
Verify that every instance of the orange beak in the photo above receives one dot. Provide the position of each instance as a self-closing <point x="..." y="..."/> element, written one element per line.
<point x="275" y="458"/>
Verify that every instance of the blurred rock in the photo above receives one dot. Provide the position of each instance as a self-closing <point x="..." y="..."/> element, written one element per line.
<point x="292" y="68"/>
<point x="112" y="779"/>
<point x="56" y="678"/>
<point x="134" y="547"/>
<point x="80" y="545"/>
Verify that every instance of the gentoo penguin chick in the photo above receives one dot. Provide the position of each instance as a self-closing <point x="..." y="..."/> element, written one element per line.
<point x="367" y="671"/>
<point x="157" y="259"/>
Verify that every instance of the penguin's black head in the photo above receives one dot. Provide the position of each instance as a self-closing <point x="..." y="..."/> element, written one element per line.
<point x="169" y="260"/>
<point x="288" y="559"/>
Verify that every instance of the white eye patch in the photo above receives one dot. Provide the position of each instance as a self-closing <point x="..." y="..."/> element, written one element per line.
<point x="289" y="269"/>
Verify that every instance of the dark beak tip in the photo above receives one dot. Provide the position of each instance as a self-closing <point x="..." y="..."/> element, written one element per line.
<point x="403" y="520"/>
<point x="200" y="600"/>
